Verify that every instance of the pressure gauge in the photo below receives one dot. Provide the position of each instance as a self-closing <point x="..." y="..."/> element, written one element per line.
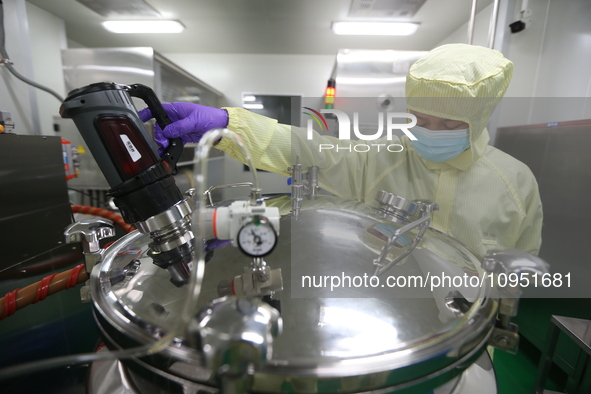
<point x="257" y="238"/>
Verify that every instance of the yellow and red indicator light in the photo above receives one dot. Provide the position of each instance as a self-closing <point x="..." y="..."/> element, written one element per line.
<point x="330" y="94"/>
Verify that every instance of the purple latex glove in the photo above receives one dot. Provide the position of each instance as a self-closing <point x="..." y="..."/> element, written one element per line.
<point x="189" y="122"/>
<point x="215" y="243"/>
<point x="212" y="244"/>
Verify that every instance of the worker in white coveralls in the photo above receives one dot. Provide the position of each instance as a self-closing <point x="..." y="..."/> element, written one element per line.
<point x="488" y="200"/>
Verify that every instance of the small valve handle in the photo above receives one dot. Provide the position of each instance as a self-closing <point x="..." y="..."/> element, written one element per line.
<point x="89" y="232"/>
<point x="427" y="206"/>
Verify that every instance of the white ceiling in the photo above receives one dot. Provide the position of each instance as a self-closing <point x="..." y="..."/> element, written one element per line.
<point x="259" y="26"/>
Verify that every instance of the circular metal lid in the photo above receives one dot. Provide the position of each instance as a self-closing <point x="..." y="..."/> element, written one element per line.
<point x="337" y="321"/>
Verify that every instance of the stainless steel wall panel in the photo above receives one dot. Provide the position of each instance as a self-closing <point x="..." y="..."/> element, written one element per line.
<point x="558" y="155"/>
<point x="371" y="73"/>
<point x="34" y="204"/>
<point x="121" y="65"/>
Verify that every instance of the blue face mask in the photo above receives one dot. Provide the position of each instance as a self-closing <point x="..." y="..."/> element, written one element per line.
<point x="440" y="145"/>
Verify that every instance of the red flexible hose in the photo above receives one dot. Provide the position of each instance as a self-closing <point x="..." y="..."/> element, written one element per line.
<point x="43" y="287"/>
<point x="73" y="278"/>
<point x="9" y="304"/>
<point x="51" y="284"/>
<point x="118" y="220"/>
<point x="35" y="292"/>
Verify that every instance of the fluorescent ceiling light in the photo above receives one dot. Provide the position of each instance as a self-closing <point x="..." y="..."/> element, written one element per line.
<point x="369" y="81"/>
<point x="249" y="98"/>
<point x="253" y="106"/>
<point x="374" y="28"/>
<point x="154" y="26"/>
<point x="191" y="99"/>
<point x="371" y="56"/>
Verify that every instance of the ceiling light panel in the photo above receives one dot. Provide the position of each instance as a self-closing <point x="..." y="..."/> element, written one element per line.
<point x="253" y="106"/>
<point x="398" y="9"/>
<point x="120" y="7"/>
<point x="154" y="26"/>
<point x="374" y="28"/>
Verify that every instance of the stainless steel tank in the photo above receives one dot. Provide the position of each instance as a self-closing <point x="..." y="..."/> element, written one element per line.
<point x="357" y="337"/>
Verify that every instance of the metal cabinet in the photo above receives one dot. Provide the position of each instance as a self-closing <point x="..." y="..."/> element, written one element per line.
<point x="557" y="154"/>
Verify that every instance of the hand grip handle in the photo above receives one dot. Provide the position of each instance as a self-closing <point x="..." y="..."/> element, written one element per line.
<point x="172" y="153"/>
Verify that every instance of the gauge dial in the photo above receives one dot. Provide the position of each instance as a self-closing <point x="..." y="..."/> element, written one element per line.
<point x="257" y="238"/>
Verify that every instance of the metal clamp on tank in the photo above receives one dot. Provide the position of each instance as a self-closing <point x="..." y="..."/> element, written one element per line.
<point x="411" y="214"/>
<point x="519" y="265"/>
<point x="89" y="233"/>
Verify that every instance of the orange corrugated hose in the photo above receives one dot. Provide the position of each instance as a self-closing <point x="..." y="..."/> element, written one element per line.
<point x="53" y="283"/>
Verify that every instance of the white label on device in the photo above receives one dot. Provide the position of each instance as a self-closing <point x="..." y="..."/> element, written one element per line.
<point x="133" y="152"/>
